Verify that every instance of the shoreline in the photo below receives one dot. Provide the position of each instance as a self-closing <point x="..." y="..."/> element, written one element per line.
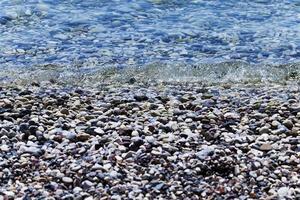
<point x="150" y="141"/>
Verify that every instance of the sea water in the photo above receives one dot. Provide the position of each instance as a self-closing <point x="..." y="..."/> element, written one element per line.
<point x="208" y="40"/>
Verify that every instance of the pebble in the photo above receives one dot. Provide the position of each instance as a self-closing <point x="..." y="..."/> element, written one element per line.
<point x="9" y="194"/>
<point x="283" y="192"/>
<point x="70" y="135"/>
<point x="82" y="137"/>
<point x="260" y="178"/>
<point x="67" y="180"/>
<point x="77" y="190"/>
<point x="4" y="148"/>
<point x="150" y="139"/>
<point x="64" y="111"/>
<point x="266" y="147"/>
<point x="86" y="184"/>
<point x="32" y="150"/>
<point x="99" y="131"/>
<point x="288" y="123"/>
<point x="264" y="130"/>
<point x="231" y="115"/>
<point x="141" y="142"/>
<point x="205" y="152"/>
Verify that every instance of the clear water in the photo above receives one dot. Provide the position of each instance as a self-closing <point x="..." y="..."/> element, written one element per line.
<point x="65" y="39"/>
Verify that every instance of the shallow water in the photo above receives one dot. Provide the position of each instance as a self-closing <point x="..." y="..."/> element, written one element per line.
<point x="70" y="39"/>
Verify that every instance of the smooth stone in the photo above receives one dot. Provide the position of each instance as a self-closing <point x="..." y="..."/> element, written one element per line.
<point x="64" y="111"/>
<point x="275" y="124"/>
<point x="264" y="130"/>
<point x="31" y="150"/>
<point x="159" y="186"/>
<point x="141" y="98"/>
<point x="288" y="123"/>
<point x="82" y="137"/>
<point x="67" y="180"/>
<point x="150" y="139"/>
<point x="237" y="170"/>
<point x="260" y="178"/>
<point x="9" y="194"/>
<point x="76" y="167"/>
<point x="96" y="167"/>
<point x="23" y="127"/>
<point x="87" y="184"/>
<point x="70" y="135"/>
<point x="207" y="95"/>
<point x="77" y="190"/>
<point x="283" y="192"/>
<point x="253" y="174"/>
<point x="99" y="131"/>
<point x="295" y="131"/>
<point x="205" y="152"/>
<point x="295" y="107"/>
<point x="4" y="148"/>
<point x="265" y="147"/>
<point x="134" y="133"/>
<point x="231" y="115"/>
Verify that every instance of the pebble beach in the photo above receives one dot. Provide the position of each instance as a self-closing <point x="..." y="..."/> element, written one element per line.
<point x="149" y="99"/>
<point x="150" y="141"/>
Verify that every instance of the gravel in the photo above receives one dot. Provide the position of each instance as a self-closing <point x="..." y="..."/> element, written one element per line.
<point x="160" y="141"/>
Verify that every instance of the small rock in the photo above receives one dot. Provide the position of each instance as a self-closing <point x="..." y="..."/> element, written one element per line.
<point x="70" y="135"/>
<point x="134" y="133"/>
<point x="4" y="148"/>
<point x="67" y="180"/>
<point x="283" y="192"/>
<point x="132" y="80"/>
<point x="205" y="152"/>
<point x="31" y="150"/>
<point x="253" y="174"/>
<point x="260" y="178"/>
<point x="96" y="167"/>
<point x="65" y="111"/>
<point x="99" y="131"/>
<point x="275" y="124"/>
<point x="150" y="139"/>
<point x="77" y="190"/>
<point x="23" y="127"/>
<point x="237" y="170"/>
<point x="266" y="147"/>
<point x="87" y="184"/>
<point x="141" y="98"/>
<point x="159" y="186"/>
<point x="263" y="130"/>
<point x="82" y="137"/>
<point x="77" y="103"/>
<point x="288" y="123"/>
<point x="207" y="95"/>
<point x="295" y="131"/>
<point x="231" y="115"/>
<point x="295" y="107"/>
<point x="9" y="194"/>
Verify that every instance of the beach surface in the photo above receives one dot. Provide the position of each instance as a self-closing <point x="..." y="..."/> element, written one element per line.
<point x="150" y="141"/>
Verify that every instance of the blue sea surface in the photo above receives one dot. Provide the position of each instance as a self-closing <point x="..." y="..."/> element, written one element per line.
<point x="75" y="35"/>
